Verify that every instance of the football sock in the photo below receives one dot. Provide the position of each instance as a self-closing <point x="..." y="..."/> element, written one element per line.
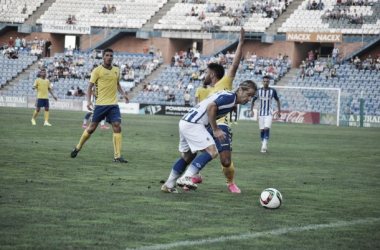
<point x="83" y="139"/>
<point x="266" y="134"/>
<point x="117" y="143"/>
<point x="229" y="173"/>
<point x="102" y="122"/>
<point x="177" y="170"/>
<point x="262" y="135"/>
<point x="46" y="115"/>
<point x="198" y="163"/>
<point x="35" y="113"/>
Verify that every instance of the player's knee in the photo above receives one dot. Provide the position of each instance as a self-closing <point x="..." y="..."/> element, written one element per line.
<point x="213" y="153"/>
<point x="225" y="162"/>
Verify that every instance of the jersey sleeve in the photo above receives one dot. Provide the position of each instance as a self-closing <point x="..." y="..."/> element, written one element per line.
<point x="94" y="75"/>
<point x="225" y="101"/>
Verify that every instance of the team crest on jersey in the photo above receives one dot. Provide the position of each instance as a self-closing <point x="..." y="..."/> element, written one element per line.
<point x="115" y="73"/>
<point x="208" y="138"/>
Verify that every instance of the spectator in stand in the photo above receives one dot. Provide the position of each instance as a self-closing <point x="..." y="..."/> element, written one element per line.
<point x="69" y="52"/>
<point x="113" y="9"/>
<point x="165" y="88"/>
<point x="321" y="5"/>
<point x="48" y="45"/>
<point x="17" y="43"/>
<point x="23" y="42"/>
<point x="35" y="41"/>
<point x="357" y="63"/>
<point x="24" y="10"/>
<point x="11" y="42"/>
<point x="187" y="97"/>
<point x="131" y="75"/>
<point x="156" y="87"/>
<point x="318" y="68"/>
<point x="151" y="49"/>
<point x="69" y="20"/>
<point x="170" y="97"/>
<point x="79" y="92"/>
<point x="71" y="92"/>
<point x="38" y="52"/>
<point x="104" y="9"/>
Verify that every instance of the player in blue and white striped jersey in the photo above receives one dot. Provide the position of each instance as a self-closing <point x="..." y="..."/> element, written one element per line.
<point x="194" y="136"/>
<point x="265" y="96"/>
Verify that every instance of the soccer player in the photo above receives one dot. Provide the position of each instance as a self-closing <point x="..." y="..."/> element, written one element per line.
<point x="218" y="81"/>
<point x="265" y="94"/>
<point x="43" y="87"/>
<point x="194" y="135"/>
<point x="201" y="93"/>
<point x="106" y="79"/>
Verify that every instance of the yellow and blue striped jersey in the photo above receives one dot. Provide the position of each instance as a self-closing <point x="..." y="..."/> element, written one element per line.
<point x="42" y="85"/>
<point x="105" y="82"/>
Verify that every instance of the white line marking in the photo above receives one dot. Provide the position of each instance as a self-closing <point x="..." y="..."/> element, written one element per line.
<point x="255" y="235"/>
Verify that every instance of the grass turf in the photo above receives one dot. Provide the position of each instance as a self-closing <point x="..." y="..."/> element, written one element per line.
<point x="49" y="201"/>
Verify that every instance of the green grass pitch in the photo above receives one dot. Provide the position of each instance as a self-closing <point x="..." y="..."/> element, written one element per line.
<point x="326" y="175"/>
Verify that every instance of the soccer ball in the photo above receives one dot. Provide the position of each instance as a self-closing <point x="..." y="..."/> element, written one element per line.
<point x="271" y="198"/>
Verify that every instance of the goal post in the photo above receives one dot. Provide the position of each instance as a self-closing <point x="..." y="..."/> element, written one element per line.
<point x="310" y="99"/>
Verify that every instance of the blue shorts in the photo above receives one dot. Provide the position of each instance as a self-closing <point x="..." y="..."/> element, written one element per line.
<point x="42" y="103"/>
<point x="226" y="144"/>
<point x="110" y="112"/>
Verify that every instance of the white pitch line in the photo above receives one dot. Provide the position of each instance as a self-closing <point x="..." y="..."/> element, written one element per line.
<point x="255" y="235"/>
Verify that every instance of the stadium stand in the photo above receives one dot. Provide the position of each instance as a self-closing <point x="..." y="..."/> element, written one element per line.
<point x="354" y="79"/>
<point x="225" y="16"/>
<point x="364" y="19"/>
<point x="10" y="68"/>
<point x="78" y="76"/>
<point x="18" y="11"/>
<point x="187" y="75"/>
<point x="127" y="14"/>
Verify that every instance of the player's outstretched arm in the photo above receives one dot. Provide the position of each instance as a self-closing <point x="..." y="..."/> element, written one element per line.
<point x="89" y="94"/>
<point x="239" y="52"/>
<point x="121" y="91"/>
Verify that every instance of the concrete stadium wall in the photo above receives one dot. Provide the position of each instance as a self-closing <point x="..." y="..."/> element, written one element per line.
<point x="168" y="46"/>
<point x="58" y="40"/>
<point x="296" y="51"/>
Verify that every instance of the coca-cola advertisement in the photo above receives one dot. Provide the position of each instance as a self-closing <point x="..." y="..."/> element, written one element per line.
<point x="297" y="117"/>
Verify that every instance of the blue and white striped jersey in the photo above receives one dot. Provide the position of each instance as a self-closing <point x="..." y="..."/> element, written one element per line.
<point x="266" y="97"/>
<point x="225" y="101"/>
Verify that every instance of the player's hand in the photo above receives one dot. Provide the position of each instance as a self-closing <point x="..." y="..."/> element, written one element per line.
<point x="219" y="134"/>
<point x="252" y="113"/>
<point x="126" y="98"/>
<point x="89" y="106"/>
<point x="278" y="115"/>
<point x="242" y="34"/>
<point x="55" y="98"/>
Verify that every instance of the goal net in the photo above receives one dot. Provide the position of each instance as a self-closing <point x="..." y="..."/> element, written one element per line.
<point x="309" y="104"/>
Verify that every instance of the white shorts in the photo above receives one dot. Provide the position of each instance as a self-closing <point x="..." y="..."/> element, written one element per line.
<point x="265" y="121"/>
<point x="194" y="137"/>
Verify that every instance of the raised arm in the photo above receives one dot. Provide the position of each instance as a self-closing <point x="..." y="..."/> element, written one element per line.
<point x="239" y="52"/>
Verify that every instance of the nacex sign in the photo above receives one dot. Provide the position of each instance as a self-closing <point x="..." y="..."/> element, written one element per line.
<point x="314" y="37"/>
